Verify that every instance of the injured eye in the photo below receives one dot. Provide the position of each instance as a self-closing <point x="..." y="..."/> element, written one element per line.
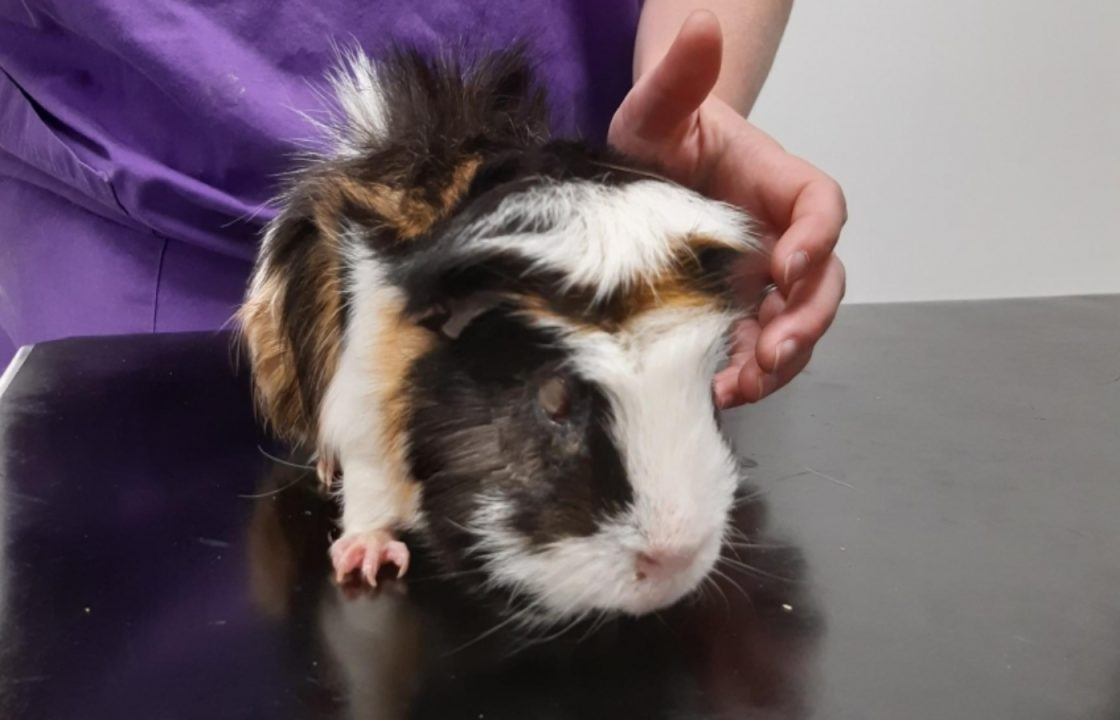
<point x="555" y="397"/>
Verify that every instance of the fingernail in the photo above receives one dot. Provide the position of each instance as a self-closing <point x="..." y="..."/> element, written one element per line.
<point x="766" y="385"/>
<point x="786" y="350"/>
<point x="796" y="266"/>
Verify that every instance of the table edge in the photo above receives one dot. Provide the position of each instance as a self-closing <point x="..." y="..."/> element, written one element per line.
<point x="13" y="368"/>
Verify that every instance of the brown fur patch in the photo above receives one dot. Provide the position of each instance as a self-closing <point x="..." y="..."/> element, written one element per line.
<point x="323" y="329"/>
<point x="294" y="359"/>
<point x="399" y="343"/>
<point x="668" y="292"/>
<point x="703" y="273"/>
<point x="460" y="180"/>
<point x="275" y="385"/>
<point x="403" y="210"/>
<point x="408" y="211"/>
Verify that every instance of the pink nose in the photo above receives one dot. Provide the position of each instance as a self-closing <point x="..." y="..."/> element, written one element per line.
<point x="664" y="561"/>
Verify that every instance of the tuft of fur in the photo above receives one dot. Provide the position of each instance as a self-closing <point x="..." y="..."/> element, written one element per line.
<point x="395" y="173"/>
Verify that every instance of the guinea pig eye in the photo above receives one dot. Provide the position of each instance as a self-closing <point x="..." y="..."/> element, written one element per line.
<point x="555" y="397"/>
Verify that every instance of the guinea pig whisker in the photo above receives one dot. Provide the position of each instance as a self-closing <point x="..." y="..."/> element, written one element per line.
<point x="548" y="626"/>
<point x="701" y="593"/>
<point x="460" y="526"/>
<point x="270" y="493"/>
<point x="529" y="619"/>
<point x="282" y="461"/>
<point x="734" y="584"/>
<point x="248" y="215"/>
<point x="722" y="593"/>
<point x="731" y="545"/>
<point x="741" y="500"/>
<point x="737" y="533"/>
<point x="742" y="542"/>
<point x="838" y="481"/>
<point x="661" y="619"/>
<point x="595" y="626"/>
<point x="747" y="567"/>
<point x="504" y="623"/>
<point x="275" y="491"/>
<point x="554" y="635"/>
<point x="709" y="581"/>
<point x="517" y="593"/>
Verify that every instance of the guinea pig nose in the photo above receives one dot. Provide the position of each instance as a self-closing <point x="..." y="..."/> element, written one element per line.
<point x="664" y="561"/>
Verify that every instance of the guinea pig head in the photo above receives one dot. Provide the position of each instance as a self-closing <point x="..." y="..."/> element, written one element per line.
<point x="563" y="426"/>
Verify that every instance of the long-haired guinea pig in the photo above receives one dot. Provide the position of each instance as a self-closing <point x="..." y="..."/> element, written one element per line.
<point x="499" y="342"/>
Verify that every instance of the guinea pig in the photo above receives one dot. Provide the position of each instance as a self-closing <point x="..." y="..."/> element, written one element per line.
<point x="500" y="343"/>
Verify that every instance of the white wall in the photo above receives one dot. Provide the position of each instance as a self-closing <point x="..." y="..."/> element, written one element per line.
<point x="978" y="141"/>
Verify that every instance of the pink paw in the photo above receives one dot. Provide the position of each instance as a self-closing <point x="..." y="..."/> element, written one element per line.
<point x="365" y="553"/>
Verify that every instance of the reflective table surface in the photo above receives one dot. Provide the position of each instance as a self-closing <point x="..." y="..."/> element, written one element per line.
<point x="932" y="530"/>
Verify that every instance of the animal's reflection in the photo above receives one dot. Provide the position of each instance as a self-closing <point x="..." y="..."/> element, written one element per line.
<point x="428" y="647"/>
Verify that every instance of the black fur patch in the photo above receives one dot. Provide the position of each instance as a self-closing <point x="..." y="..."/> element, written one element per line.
<point x="443" y="112"/>
<point x="477" y="432"/>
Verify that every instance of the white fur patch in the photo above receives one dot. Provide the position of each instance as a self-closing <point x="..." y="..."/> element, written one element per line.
<point x="657" y="376"/>
<point x="356" y="87"/>
<point x="608" y="237"/>
<point x="351" y="421"/>
<point x="260" y="269"/>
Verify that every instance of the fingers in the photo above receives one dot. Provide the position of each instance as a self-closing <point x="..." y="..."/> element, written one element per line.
<point x="788" y="371"/>
<point x="819" y="212"/>
<point x="666" y="97"/>
<point x="769" y="352"/>
<point x="772" y="305"/>
<point x="788" y="194"/>
<point x="808" y="313"/>
<point x="725" y="385"/>
<point x="748" y="383"/>
<point x="725" y="388"/>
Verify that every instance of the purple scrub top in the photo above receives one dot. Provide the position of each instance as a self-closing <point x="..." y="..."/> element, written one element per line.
<point x="141" y="141"/>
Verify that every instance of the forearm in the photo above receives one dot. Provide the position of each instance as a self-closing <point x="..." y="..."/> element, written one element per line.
<point x="752" y="30"/>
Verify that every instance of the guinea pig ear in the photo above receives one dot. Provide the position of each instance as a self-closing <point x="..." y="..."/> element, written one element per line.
<point x="740" y="278"/>
<point x="450" y="316"/>
<point x="448" y="285"/>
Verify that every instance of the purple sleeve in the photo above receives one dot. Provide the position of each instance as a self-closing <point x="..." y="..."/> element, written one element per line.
<point x="140" y="142"/>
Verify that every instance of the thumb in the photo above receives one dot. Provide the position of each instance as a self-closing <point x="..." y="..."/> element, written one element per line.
<point x="666" y="97"/>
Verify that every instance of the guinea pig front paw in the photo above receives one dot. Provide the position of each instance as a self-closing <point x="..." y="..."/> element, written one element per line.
<point x="364" y="553"/>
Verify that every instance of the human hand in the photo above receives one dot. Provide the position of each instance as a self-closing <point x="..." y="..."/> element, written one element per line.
<point x="671" y="119"/>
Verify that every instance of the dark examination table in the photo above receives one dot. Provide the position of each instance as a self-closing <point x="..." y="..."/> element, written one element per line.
<point x="934" y="526"/>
